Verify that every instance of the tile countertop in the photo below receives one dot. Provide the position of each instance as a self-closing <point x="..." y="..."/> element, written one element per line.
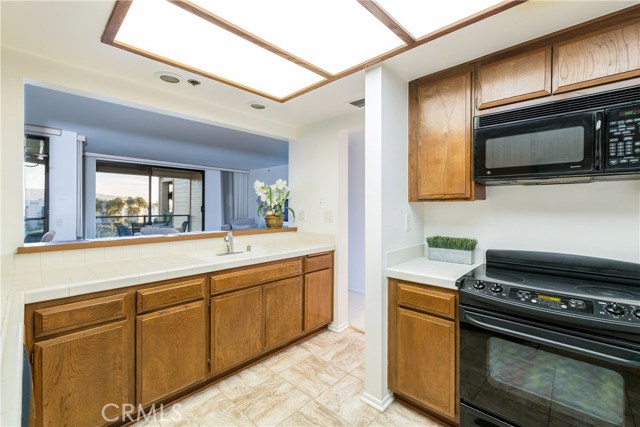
<point x="47" y="276"/>
<point x="410" y="264"/>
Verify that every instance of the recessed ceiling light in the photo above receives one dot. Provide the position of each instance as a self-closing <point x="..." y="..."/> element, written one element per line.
<point x="256" y="105"/>
<point x="221" y="41"/>
<point x="168" y="77"/>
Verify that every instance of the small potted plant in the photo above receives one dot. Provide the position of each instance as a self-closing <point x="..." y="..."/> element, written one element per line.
<point x="272" y="202"/>
<point x="458" y="250"/>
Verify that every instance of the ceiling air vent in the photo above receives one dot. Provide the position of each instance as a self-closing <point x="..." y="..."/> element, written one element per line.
<point x="358" y="103"/>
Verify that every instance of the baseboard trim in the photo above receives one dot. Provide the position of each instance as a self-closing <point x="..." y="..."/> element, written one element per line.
<point x="380" y="405"/>
<point x="338" y="328"/>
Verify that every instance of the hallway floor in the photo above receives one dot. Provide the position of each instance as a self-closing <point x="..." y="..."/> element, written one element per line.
<point x="316" y="383"/>
<point x="356" y="310"/>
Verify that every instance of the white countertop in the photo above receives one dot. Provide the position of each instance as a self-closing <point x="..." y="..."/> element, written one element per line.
<point x="427" y="272"/>
<point x="410" y="264"/>
<point x="52" y="275"/>
<point x="64" y="281"/>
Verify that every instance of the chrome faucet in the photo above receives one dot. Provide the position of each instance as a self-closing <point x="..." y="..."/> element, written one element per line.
<point x="228" y="239"/>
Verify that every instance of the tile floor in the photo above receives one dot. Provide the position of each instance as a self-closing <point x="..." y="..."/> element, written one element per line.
<point x="315" y="383"/>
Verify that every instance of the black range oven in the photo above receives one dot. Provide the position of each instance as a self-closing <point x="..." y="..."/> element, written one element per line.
<point x="550" y="340"/>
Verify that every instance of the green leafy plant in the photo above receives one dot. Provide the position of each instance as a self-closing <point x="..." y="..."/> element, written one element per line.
<point x="272" y="198"/>
<point x="457" y="243"/>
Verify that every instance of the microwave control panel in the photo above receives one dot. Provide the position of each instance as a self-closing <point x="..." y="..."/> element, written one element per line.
<point x="622" y="138"/>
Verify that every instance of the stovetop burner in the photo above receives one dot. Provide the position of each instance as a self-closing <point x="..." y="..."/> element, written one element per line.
<point x="605" y="292"/>
<point x="587" y="293"/>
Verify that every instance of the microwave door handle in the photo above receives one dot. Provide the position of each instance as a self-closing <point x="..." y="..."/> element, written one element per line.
<point x="599" y="130"/>
<point x="554" y="339"/>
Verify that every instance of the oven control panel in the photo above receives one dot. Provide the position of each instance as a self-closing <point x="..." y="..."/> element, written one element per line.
<point x="547" y="300"/>
<point x="618" y="311"/>
<point x="597" y="308"/>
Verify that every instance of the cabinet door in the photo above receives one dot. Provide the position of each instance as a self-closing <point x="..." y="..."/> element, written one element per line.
<point x="76" y="375"/>
<point x="283" y="311"/>
<point x="514" y="79"/>
<point x="171" y="351"/>
<point x="236" y="327"/>
<point x="318" y="299"/>
<point x="441" y="139"/>
<point x="597" y="59"/>
<point x="426" y="360"/>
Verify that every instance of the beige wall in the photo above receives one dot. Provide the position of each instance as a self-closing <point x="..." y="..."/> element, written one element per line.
<point x="18" y="68"/>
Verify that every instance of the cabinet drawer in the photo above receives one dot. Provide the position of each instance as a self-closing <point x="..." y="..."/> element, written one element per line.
<point x="76" y="315"/>
<point x="255" y="276"/>
<point x="318" y="262"/>
<point x="170" y="294"/>
<point x="426" y="299"/>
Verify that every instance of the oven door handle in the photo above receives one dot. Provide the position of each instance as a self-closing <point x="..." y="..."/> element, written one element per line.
<point x="586" y="347"/>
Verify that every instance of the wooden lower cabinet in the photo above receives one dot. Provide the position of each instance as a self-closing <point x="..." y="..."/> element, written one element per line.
<point x="237" y="332"/>
<point x="426" y="360"/>
<point x="77" y="376"/>
<point x="423" y="348"/>
<point x="99" y="359"/>
<point x="171" y="351"/>
<point x="318" y="299"/>
<point x="283" y="311"/>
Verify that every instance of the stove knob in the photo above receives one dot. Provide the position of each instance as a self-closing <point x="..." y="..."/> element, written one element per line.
<point x="479" y="284"/>
<point x="636" y="312"/>
<point x="496" y="288"/>
<point x="614" y="308"/>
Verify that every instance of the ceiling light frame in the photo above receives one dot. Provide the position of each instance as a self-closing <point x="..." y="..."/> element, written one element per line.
<point x="122" y="6"/>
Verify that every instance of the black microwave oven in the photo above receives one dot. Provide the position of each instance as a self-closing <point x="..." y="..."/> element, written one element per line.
<point x="593" y="137"/>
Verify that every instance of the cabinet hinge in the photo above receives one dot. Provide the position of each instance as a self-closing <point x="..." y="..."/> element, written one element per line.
<point x="31" y="357"/>
<point x="209" y="308"/>
<point x="209" y="364"/>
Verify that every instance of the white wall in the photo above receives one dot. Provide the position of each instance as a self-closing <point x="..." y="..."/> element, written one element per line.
<point x="18" y="68"/>
<point x="63" y="185"/>
<point x="356" y="211"/>
<point x="319" y="193"/>
<point x="386" y="192"/>
<point x="268" y="176"/>
<point x="600" y="219"/>
<point x="212" y="200"/>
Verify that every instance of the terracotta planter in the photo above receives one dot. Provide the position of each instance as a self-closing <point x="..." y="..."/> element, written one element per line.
<point x="273" y="221"/>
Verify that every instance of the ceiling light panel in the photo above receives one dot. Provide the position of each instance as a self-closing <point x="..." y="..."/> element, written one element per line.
<point x="333" y="35"/>
<point x="165" y="30"/>
<point x="421" y="17"/>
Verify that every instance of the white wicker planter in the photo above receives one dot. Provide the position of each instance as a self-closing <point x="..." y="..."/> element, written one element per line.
<point x="451" y="255"/>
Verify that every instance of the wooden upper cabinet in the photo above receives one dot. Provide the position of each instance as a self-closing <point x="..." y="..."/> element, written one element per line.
<point x="517" y="78"/>
<point x="599" y="58"/>
<point x="440" y="138"/>
<point x="171" y="351"/>
<point x="77" y="374"/>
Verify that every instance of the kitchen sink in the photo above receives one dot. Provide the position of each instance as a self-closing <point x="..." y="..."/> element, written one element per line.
<point x="230" y="253"/>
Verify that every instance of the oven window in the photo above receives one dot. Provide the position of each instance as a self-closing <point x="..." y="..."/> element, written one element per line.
<point x="539" y="147"/>
<point x="529" y="384"/>
<point x="576" y="389"/>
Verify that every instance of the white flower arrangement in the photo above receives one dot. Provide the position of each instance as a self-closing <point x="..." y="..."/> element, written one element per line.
<point x="272" y="198"/>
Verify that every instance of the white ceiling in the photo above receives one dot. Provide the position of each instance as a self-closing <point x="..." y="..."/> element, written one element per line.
<point x="70" y="31"/>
